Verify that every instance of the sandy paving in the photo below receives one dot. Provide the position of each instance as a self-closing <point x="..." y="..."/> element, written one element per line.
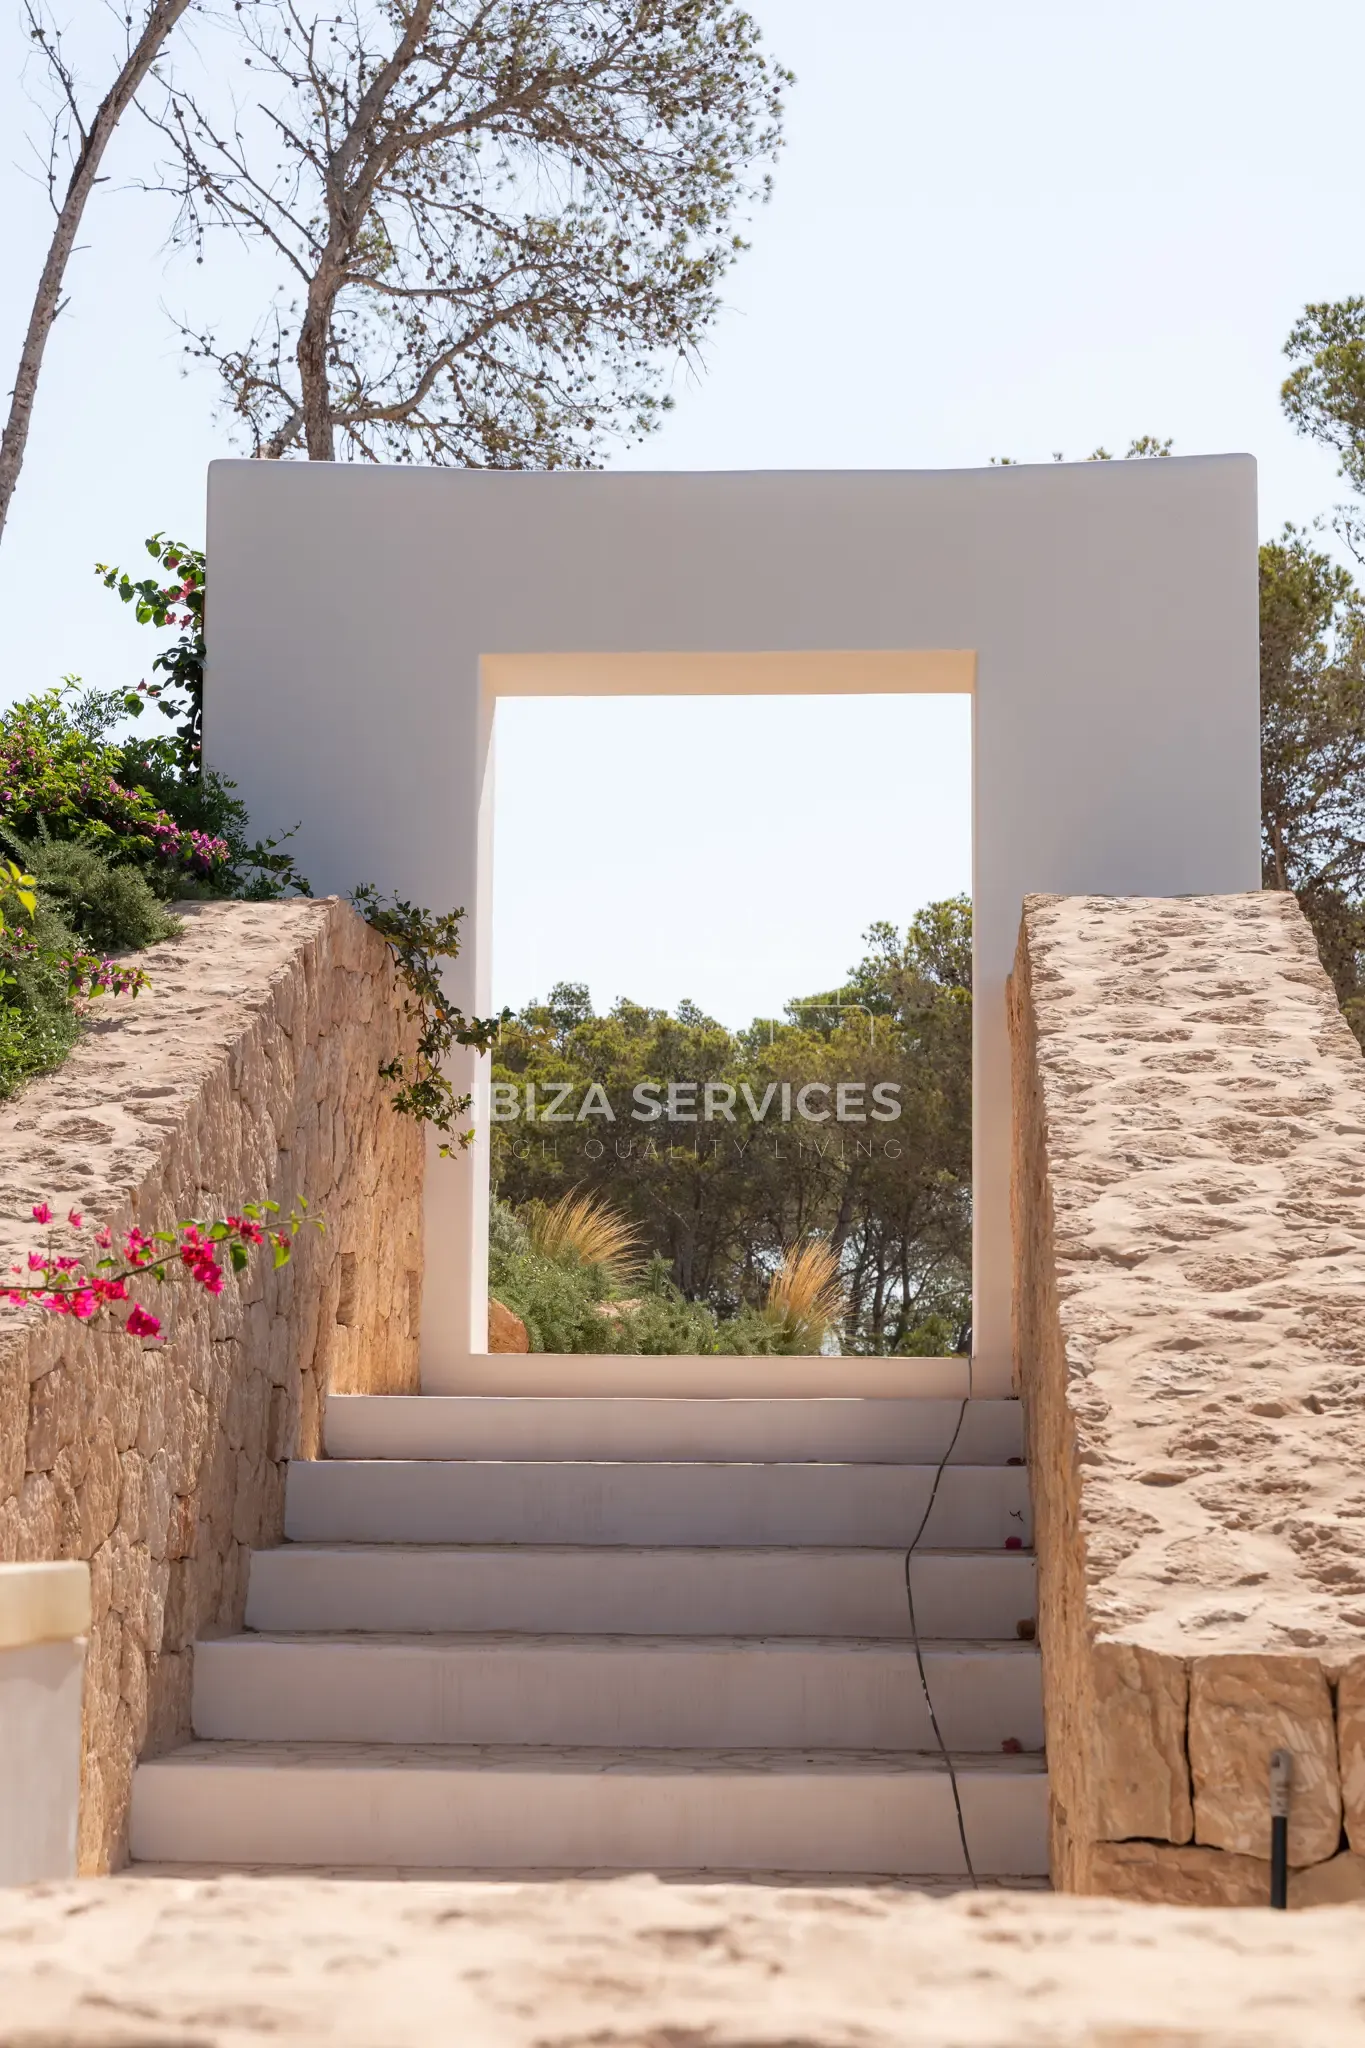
<point x="226" y="1961"/>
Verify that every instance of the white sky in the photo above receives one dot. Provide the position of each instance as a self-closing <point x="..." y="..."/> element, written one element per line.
<point x="997" y="230"/>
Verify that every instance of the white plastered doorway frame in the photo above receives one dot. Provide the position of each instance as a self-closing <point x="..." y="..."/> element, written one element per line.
<point x="826" y="674"/>
<point x="1107" y="612"/>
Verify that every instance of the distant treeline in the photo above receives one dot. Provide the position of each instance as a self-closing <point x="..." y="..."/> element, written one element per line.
<point x="851" y="1119"/>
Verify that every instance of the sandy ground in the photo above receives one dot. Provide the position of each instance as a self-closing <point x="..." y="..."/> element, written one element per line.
<point x="222" y="1962"/>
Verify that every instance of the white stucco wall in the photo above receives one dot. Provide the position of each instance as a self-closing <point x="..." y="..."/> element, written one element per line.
<point x="1104" y="616"/>
<point x="44" y="1628"/>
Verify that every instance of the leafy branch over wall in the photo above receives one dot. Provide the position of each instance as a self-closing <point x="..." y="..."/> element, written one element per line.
<point x="418" y="940"/>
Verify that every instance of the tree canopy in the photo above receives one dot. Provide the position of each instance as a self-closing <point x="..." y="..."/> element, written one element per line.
<point x="496" y="222"/>
<point x="1313" y="751"/>
<point x="718" y="1200"/>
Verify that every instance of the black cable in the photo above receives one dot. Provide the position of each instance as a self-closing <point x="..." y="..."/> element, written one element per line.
<point x="1281" y="1778"/>
<point x="919" y="1651"/>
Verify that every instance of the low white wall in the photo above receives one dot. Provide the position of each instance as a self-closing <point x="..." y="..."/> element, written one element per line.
<point x="44" y="1626"/>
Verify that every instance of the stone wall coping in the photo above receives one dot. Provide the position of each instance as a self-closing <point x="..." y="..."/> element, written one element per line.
<point x="43" y="1603"/>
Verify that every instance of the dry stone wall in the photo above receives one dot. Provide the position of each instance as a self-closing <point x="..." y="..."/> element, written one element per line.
<point x="1189" y="1220"/>
<point x="249" y="1069"/>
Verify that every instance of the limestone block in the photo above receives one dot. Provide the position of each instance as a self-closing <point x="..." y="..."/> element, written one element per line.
<point x="1351" y="1750"/>
<point x="100" y="1491"/>
<point x="1242" y="1708"/>
<point x="13" y="1420"/>
<point x="151" y="1425"/>
<point x="54" y="1416"/>
<point x="248" y="1499"/>
<point x="40" y="1517"/>
<point x="133" y="1683"/>
<point x="118" y="1377"/>
<point x="1141" y="1774"/>
<point x="1158" y="1874"/>
<point x="64" y="1486"/>
<point x="168" y="1702"/>
<point x="180" y="1618"/>
<point x="506" y="1332"/>
<point x="1338" y="1882"/>
<point x="134" y="1497"/>
<point x="183" y="1532"/>
<point x="1153" y="1874"/>
<point x="162" y="1506"/>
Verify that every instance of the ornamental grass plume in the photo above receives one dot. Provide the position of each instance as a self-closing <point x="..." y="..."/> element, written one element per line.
<point x="806" y="1294"/>
<point x="586" y="1228"/>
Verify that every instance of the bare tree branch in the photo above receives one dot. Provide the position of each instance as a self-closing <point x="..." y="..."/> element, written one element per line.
<point x="92" y="141"/>
<point x="504" y="218"/>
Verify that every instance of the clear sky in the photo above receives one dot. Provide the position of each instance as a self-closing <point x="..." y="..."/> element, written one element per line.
<point x="997" y="230"/>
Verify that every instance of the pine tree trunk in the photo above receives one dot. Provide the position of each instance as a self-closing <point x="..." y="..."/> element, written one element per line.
<point x="318" y="432"/>
<point x="47" y="302"/>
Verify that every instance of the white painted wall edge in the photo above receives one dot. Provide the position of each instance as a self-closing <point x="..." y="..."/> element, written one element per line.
<point x="43" y="1603"/>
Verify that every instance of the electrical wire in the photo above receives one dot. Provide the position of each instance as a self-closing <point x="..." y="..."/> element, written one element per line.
<point x="943" y="1749"/>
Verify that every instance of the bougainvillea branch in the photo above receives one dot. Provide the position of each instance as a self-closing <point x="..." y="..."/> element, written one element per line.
<point x="95" y="974"/>
<point x="67" y="1284"/>
<point x="54" y="777"/>
<point x="418" y="940"/>
<point x="178" y="605"/>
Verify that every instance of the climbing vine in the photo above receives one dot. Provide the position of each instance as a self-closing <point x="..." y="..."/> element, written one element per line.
<point x="418" y="941"/>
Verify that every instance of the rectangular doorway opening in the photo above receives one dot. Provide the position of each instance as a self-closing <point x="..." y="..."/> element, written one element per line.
<point x="730" y="1111"/>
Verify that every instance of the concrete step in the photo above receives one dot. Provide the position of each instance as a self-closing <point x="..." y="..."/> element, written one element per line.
<point x="567" y="1809"/>
<point x="669" y="1692"/>
<point x="865" y="1506"/>
<point x="828" y="1429"/>
<point x="600" y="1590"/>
<point x="583" y="1373"/>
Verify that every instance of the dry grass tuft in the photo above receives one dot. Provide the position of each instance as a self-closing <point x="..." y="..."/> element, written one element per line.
<point x="806" y="1293"/>
<point x="586" y="1228"/>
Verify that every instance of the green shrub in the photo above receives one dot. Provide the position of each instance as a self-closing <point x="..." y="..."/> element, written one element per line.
<point x="114" y="907"/>
<point x="38" y="1022"/>
<point x="556" y="1297"/>
<point x="661" y="1322"/>
<point x="61" y="780"/>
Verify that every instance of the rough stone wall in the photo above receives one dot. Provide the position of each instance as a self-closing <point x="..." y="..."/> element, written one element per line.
<point x="247" y="1070"/>
<point x="1189" y="1198"/>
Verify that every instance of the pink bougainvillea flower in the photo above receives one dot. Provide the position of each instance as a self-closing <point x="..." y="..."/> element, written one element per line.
<point x="74" y="1218"/>
<point x="142" y="1324"/>
<point x="36" y="1263"/>
<point x="41" y="1213"/>
<point x="104" y="1238"/>
<point x="209" y="1274"/>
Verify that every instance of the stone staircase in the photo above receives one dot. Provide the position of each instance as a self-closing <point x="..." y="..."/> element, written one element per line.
<point x="550" y="1632"/>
